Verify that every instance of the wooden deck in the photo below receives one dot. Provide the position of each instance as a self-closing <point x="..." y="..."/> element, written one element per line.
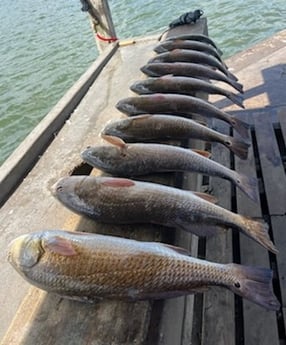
<point x="217" y="317"/>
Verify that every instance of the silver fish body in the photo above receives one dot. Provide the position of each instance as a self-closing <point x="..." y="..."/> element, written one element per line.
<point x="181" y="85"/>
<point x="177" y="104"/>
<point x="188" y="70"/>
<point x="195" y="37"/>
<point x="124" y="201"/>
<point x="151" y="128"/>
<point x="193" y="56"/>
<point x="140" y="159"/>
<point x="87" y="267"/>
<point x="169" y="45"/>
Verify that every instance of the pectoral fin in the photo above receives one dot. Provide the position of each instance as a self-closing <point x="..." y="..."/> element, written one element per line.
<point x="61" y="246"/>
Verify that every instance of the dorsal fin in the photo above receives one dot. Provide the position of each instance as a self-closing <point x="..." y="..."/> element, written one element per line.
<point x="202" y="153"/>
<point x="207" y="197"/>
<point x="118" y="182"/>
<point x="114" y="140"/>
<point x="61" y="246"/>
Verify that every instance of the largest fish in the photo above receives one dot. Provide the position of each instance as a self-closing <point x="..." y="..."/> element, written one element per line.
<point x="176" y="104"/>
<point x="87" y="267"/>
<point x="124" y="201"/>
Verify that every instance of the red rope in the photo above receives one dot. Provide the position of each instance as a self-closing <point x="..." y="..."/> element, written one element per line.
<point x="106" y="39"/>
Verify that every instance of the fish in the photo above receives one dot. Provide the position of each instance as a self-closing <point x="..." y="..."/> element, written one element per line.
<point x="195" y="37"/>
<point x="175" y="104"/>
<point x="124" y="201"/>
<point x="181" y="85"/>
<point x="129" y="160"/>
<point x="187" y="69"/>
<point x="151" y="128"/>
<point x="193" y="56"/>
<point x="89" y="267"/>
<point x="169" y="45"/>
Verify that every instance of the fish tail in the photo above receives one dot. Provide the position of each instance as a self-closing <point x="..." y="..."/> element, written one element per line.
<point x="236" y="99"/>
<point x="248" y="185"/>
<point x="240" y="126"/>
<point x="254" y="284"/>
<point x="237" y="146"/>
<point x="232" y="76"/>
<point x="258" y="231"/>
<point x="236" y="85"/>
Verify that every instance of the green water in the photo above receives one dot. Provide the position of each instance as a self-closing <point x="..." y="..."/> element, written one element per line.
<point x="46" y="45"/>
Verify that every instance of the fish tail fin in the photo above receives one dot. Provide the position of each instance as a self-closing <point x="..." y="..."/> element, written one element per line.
<point x="258" y="231"/>
<point x="236" y="99"/>
<point x="232" y="76"/>
<point x="236" y="85"/>
<point x="254" y="284"/>
<point x="240" y="126"/>
<point x="248" y="185"/>
<point x="237" y="146"/>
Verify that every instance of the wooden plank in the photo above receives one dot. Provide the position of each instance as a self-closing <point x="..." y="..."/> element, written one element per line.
<point x="101" y="21"/>
<point x="278" y="228"/>
<point x="271" y="164"/>
<point x="282" y="120"/>
<point x="177" y="315"/>
<point x="247" y="167"/>
<point x="260" y="325"/>
<point x="218" y="308"/>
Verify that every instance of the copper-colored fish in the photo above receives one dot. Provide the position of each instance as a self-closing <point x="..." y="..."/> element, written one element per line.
<point x="151" y="128"/>
<point x="124" y="201"/>
<point x="87" y="267"/>
<point x="183" y="86"/>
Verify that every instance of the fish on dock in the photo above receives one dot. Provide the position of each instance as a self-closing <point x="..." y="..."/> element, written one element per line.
<point x="188" y="69"/>
<point x="169" y="45"/>
<point x="193" y="56"/>
<point x="129" y="160"/>
<point x="125" y="201"/>
<point x="88" y="267"/>
<point x="182" y="85"/>
<point x="176" y="104"/>
<point x="194" y="37"/>
<point x="151" y="128"/>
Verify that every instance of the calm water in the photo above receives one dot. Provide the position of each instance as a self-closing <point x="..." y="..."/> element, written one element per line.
<point x="46" y="45"/>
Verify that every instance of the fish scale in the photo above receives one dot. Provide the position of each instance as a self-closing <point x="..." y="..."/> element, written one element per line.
<point x="86" y="267"/>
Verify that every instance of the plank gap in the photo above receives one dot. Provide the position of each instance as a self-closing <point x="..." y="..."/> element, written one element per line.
<point x="281" y="145"/>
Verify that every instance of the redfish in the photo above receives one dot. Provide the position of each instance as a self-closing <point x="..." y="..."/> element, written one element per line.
<point x="151" y="128"/>
<point x="124" y="201"/>
<point x="186" y="69"/>
<point x="193" y="56"/>
<point x="175" y="104"/>
<point x="137" y="159"/>
<point x="88" y="267"/>
<point x="168" y="45"/>
<point x="182" y="85"/>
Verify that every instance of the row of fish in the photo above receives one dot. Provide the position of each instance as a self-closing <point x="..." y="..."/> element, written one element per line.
<point x="90" y="266"/>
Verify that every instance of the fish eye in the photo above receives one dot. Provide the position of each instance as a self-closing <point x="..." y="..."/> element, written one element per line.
<point x="59" y="188"/>
<point x="237" y="285"/>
